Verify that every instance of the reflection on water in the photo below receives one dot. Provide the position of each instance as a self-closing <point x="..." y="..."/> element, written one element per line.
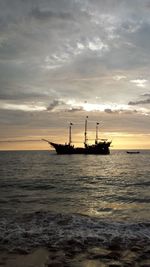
<point x="113" y="186"/>
<point x="75" y="203"/>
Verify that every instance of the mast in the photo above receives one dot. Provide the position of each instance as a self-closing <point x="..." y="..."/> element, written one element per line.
<point x="70" y="140"/>
<point x="96" y="139"/>
<point x="85" y="133"/>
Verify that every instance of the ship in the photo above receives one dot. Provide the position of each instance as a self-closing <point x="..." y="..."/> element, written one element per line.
<point x="100" y="147"/>
<point x="133" y="152"/>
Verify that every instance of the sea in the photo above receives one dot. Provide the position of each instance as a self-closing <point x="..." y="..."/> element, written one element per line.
<point x="49" y="200"/>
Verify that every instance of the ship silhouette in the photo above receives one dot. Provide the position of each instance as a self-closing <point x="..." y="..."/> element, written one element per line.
<point x="100" y="147"/>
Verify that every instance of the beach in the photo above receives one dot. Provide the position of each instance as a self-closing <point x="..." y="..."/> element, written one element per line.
<point x="74" y="256"/>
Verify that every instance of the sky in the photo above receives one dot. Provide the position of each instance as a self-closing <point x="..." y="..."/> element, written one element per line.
<point x="63" y="60"/>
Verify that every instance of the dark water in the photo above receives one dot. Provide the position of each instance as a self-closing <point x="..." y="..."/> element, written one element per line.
<point x="48" y="199"/>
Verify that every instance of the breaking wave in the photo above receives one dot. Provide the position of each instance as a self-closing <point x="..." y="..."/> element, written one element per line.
<point x="58" y="230"/>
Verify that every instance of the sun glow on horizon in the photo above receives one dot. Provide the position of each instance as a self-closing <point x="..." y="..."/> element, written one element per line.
<point x="119" y="141"/>
<point x="106" y="107"/>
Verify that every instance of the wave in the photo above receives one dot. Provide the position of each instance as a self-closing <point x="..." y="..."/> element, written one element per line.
<point x="59" y="230"/>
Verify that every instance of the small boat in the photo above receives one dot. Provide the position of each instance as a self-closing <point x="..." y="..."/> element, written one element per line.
<point x="100" y="147"/>
<point x="133" y="152"/>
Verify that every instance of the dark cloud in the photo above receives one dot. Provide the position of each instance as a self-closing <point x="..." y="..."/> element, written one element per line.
<point x="21" y="96"/>
<point x="146" y="94"/>
<point x="75" y="109"/>
<point x="139" y="102"/>
<point x="120" y="111"/>
<point x="108" y="110"/>
<point x="49" y="14"/>
<point x="55" y="104"/>
<point x="59" y="104"/>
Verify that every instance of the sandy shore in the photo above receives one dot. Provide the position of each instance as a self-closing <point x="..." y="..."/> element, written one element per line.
<point x="91" y="257"/>
<point x="38" y="257"/>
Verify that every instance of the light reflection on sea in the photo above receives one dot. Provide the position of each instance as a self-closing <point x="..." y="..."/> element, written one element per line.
<point x="115" y="186"/>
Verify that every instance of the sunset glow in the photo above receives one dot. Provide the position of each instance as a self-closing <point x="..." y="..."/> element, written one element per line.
<point x="61" y="61"/>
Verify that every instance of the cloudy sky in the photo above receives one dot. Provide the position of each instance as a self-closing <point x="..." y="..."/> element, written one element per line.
<point x="61" y="60"/>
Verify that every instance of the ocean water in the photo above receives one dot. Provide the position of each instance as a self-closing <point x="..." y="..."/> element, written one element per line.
<point x="49" y="199"/>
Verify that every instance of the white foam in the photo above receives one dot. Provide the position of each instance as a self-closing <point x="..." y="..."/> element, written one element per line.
<point x="57" y="229"/>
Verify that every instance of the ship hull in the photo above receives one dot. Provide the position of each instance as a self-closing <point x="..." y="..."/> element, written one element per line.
<point x="98" y="149"/>
<point x="133" y="152"/>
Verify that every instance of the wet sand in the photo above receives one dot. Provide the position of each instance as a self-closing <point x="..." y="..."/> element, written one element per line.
<point x="137" y="256"/>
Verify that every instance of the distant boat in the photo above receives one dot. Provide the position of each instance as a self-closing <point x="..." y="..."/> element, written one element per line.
<point x="133" y="152"/>
<point x="100" y="147"/>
